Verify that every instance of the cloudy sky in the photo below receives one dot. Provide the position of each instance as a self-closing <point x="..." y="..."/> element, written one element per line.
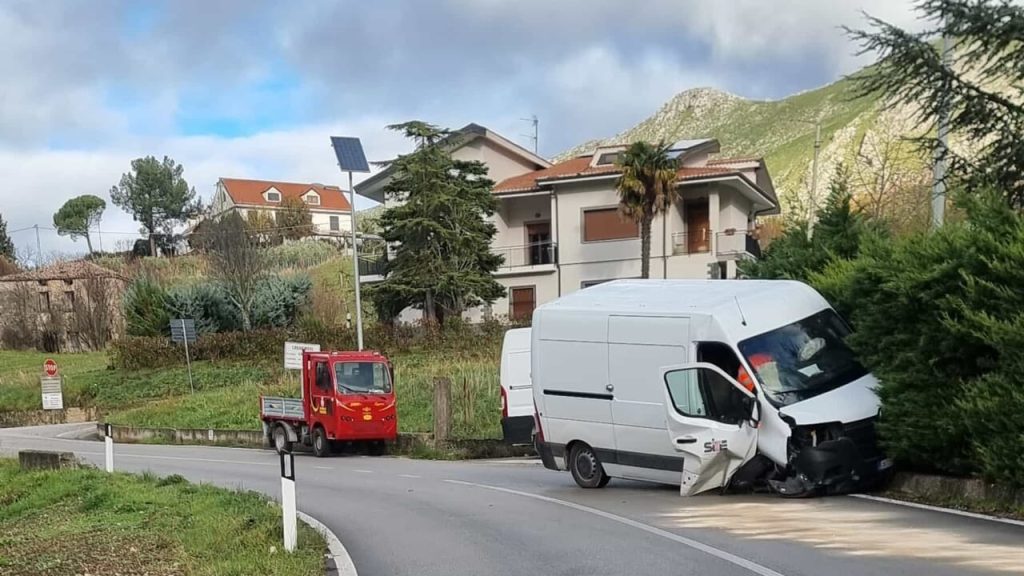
<point x="254" y="88"/>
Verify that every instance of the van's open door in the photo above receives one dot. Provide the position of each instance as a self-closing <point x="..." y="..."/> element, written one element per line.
<point x="712" y="420"/>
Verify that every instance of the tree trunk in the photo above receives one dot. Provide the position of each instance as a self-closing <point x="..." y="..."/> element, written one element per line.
<point x="152" y="245"/>
<point x="88" y="241"/>
<point x="645" y="247"/>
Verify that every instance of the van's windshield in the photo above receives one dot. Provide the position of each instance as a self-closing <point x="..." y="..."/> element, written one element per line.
<point x="803" y="359"/>
<point x="362" y="378"/>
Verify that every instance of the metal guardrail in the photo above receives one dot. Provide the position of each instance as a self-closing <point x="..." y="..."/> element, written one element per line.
<point x="536" y="254"/>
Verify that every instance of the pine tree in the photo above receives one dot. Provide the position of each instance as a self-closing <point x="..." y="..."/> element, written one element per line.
<point x="988" y="53"/>
<point x="443" y="263"/>
<point x="6" y="245"/>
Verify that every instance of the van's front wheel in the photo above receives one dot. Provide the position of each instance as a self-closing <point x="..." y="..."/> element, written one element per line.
<point x="585" y="467"/>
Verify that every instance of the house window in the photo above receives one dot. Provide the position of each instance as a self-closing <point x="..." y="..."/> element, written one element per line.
<point x="313" y="199"/>
<point x="273" y="196"/>
<point x="44" y="300"/>
<point x="69" y="295"/>
<point x="522" y="301"/>
<point x="607" y="224"/>
<point x="607" y="158"/>
<point x="335" y="225"/>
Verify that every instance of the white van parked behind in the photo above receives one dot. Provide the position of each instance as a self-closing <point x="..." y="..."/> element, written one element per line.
<point x="516" y="390"/>
<point x="651" y="380"/>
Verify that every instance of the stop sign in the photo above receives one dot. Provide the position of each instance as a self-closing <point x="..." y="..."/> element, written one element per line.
<point x="50" y="367"/>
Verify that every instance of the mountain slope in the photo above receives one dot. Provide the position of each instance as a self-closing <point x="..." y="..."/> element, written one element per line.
<point x="854" y="131"/>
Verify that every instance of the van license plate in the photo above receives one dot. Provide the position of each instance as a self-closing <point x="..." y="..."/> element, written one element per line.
<point x="885" y="464"/>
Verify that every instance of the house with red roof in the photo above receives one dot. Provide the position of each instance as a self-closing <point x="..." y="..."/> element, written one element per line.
<point x="559" y="229"/>
<point x="332" y="214"/>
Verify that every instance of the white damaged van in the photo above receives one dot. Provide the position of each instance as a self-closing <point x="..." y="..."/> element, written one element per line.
<point x="703" y="382"/>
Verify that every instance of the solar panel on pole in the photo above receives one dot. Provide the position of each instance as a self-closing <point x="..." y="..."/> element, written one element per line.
<point x="349" y="152"/>
<point x="351" y="158"/>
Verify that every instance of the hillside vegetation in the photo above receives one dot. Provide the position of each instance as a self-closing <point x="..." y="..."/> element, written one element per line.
<point x="871" y="139"/>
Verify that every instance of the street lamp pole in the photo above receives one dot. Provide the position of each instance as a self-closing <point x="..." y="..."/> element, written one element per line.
<point x="355" y="265"/>
<point x="939" y="169"/>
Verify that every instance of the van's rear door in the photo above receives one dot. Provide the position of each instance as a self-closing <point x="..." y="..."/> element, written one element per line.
<point x="711" y="421"/>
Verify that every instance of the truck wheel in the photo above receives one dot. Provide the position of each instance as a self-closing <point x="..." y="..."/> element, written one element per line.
<point x="281" y="442"/>
<point x="586" y="469"/>
<point x="321" y="446"/>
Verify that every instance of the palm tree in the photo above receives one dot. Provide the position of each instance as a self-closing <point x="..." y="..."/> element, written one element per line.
<point x="647" y="187"/>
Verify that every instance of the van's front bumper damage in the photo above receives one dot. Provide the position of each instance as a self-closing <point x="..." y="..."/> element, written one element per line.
<point x="832" y="458"/>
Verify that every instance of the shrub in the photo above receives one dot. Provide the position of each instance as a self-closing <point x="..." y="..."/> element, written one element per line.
<point x="145" y="308"/>
<point x="939" y="318"/>
<point x="279" y="299"/>
<point x="207" y="304"/>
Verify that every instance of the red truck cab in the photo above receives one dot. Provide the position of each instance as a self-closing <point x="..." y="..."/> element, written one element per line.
<point x="346" y="397"/>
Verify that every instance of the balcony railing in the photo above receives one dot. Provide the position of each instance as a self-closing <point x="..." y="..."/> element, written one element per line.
<point x="691" y="243"/>
<point x="372" y="264"/>
<point x="730" y="243"/>
<point x="736" y="244"/>
<point x="536" y="254"/>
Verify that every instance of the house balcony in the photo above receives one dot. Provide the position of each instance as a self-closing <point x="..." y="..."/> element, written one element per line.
<point x="372" y="267"/>
<point x="536" y="258"/>
<point x="731" y="244"/>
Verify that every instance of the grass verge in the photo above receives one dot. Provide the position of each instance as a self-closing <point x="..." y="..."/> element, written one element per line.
<point x="227" y="393"/>
<point x="89" y="522"/>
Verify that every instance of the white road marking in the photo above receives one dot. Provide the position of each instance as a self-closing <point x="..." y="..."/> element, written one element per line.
<point x="953" y="511"/>
<point x="410" y="476"/>
<point x="364" y="471"/>
<point x="337" y="550"/>
<point x="323" y="467"/>
<point x="717" y="553"/>
<point x="211" y="460"/>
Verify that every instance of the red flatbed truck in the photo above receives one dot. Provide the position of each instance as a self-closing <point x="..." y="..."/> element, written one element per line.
<point x="346" y="397"/>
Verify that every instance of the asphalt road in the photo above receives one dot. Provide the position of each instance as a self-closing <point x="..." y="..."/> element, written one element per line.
<point x="402" y="516"/>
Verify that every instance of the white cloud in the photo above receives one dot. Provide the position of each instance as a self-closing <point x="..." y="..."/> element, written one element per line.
<point x="38" y="181"/>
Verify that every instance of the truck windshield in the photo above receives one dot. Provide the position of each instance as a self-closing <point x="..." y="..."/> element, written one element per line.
<point x="803" y="359"/>
<point x="362" y="377"/>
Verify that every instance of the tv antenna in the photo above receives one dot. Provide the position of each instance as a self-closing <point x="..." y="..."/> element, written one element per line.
<point x="536" y="132"/>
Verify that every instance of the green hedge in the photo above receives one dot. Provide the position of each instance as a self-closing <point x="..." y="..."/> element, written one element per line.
<point x="939" y="318"/>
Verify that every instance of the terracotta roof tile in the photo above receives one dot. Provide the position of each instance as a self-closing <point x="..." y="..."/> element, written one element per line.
<point x="63" y="271"/>
<point x="580" y="167"/>
<point x="251" y="192"/>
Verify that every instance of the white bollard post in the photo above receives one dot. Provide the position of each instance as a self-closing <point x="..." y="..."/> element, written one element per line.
<point x="288" y="501"/>
<point x="108" y="440"/>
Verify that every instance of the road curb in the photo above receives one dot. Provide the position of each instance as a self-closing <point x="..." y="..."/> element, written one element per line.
<point x="337" y="553"/>
<point x="942" y="509"/>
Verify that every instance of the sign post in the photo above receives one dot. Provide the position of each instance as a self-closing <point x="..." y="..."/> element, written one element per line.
<point x="184" y="330"/>
<point x="288" y="501"/>
<point x="50" y="383"/>
<point x="293" y="356"/>
<point x="108" y="441"/>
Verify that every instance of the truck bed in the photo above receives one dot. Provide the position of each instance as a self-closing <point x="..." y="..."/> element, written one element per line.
<point x="280" y="408"/>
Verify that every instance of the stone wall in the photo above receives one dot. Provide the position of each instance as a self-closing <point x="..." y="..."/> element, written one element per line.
<point x="20" y="418"/>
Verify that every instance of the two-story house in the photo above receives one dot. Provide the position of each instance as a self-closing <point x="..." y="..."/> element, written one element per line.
<point x="559" y="229"/>
<point x="328" y="205"/>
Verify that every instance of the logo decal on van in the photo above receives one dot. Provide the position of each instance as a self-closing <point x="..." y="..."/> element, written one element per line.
<point x="715" y="446"/>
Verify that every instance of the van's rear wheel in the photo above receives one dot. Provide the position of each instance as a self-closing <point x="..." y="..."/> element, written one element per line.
<point x="321" y="446"/>
<point x="281" y="442"/>
<point x="585" y="467"/>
